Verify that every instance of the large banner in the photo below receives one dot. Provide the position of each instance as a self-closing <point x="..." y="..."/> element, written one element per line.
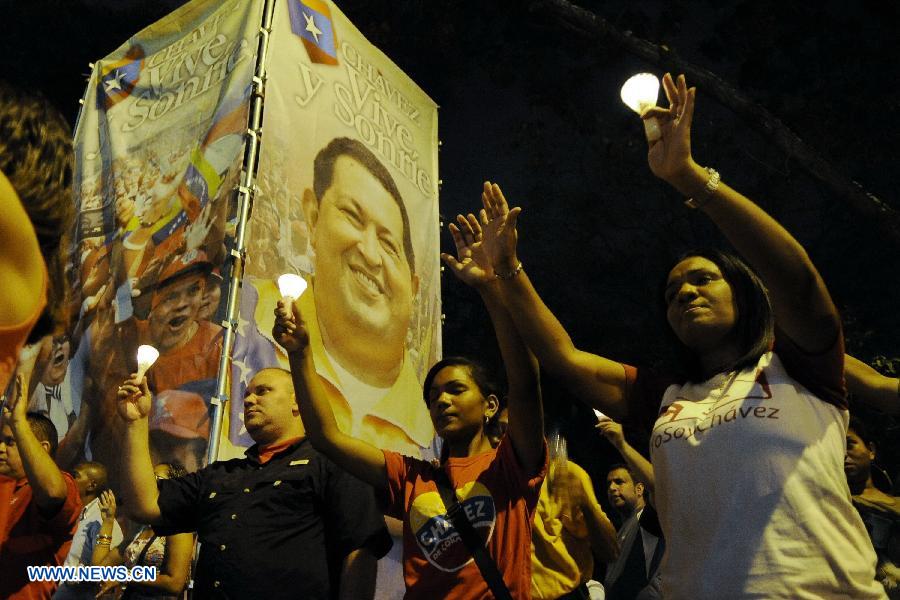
<point x="348" y="197"/>
<point x="159" y="147"/>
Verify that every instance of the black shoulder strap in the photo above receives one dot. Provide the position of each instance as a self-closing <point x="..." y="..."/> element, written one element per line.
<point x="143" y="554"/>
<point x="129" y="591"/>
<point x="470" y="538"/>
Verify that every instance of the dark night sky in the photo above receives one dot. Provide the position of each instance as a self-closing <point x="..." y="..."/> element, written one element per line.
<point x="534" y="106"/>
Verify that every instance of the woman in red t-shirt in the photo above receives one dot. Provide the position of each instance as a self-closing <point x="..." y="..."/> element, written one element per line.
<point x="497" y="489"/>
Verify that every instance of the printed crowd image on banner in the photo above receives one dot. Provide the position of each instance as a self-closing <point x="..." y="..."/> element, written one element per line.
<point x="159" y="147"/>
<point x="348" y="198"/>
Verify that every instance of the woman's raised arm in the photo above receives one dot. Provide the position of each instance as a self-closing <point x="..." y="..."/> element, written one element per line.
<point x="364" y="461"/>
<point x="526" y="415"/>
<point x="598" y="381"/>
<point x="801" y="302"/>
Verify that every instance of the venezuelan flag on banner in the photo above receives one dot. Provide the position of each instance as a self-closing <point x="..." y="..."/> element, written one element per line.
<point x="211" y="159"/>
<point x="118" y="80"/>
<point x="311" y="21"/>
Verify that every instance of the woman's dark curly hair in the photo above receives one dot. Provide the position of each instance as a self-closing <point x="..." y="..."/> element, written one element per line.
<point x="36" y="156"/>
<point x="175" y="469"/>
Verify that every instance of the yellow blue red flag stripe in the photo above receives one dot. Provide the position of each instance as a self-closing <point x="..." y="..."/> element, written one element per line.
<point x="311" y="21"/>
<point x="119" y="79"/>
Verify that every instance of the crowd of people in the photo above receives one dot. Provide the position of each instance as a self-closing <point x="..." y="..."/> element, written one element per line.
<point x="758" y="483"/>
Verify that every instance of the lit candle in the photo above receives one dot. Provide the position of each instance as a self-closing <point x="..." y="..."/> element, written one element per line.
<point x="639" y="94"/>
<point x="146" y="356"/>
<point x="291" y="286"/>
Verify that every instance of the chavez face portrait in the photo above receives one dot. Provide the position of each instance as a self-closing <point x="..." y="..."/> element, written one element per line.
<point x="362" y="271"/>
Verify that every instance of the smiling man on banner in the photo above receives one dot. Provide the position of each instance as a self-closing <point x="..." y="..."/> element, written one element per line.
<point x="362" y="295"/>
<point x="360" y="300"/>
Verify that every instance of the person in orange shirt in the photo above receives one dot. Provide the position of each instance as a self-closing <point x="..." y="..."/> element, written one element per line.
<point x="495" y="490"/>
<point x="189" y="348"/>
<point x="36" y="196"/>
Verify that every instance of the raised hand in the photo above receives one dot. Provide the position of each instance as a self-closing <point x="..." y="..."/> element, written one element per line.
<point x="107" y="505"/>
<point x="16" y="408"/>
<point x="612" y="431"/>
<point x="289" y="329"/>
<point x="499" y="227"/>
<point x="471" y="264"/>
<point x="133" y="399"/>
<point x="670" y="156"/>
<point x="195" y="234"/>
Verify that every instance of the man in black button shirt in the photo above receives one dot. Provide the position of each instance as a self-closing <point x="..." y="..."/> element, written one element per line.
<point x="284" y="522"/>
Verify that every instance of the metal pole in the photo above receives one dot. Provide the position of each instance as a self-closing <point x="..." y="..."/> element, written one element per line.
<point x="246" y="193"/>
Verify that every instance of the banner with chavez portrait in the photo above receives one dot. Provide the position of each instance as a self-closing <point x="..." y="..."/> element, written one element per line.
<point x="346" y="195"/>
<point x="348" y="198"/>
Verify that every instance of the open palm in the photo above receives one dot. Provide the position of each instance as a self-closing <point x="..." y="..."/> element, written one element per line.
<point x="471" y="263"/>
<point x="107" y="505"/>
<point x="671" y="154"/>
<point x="499" y="224"/>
